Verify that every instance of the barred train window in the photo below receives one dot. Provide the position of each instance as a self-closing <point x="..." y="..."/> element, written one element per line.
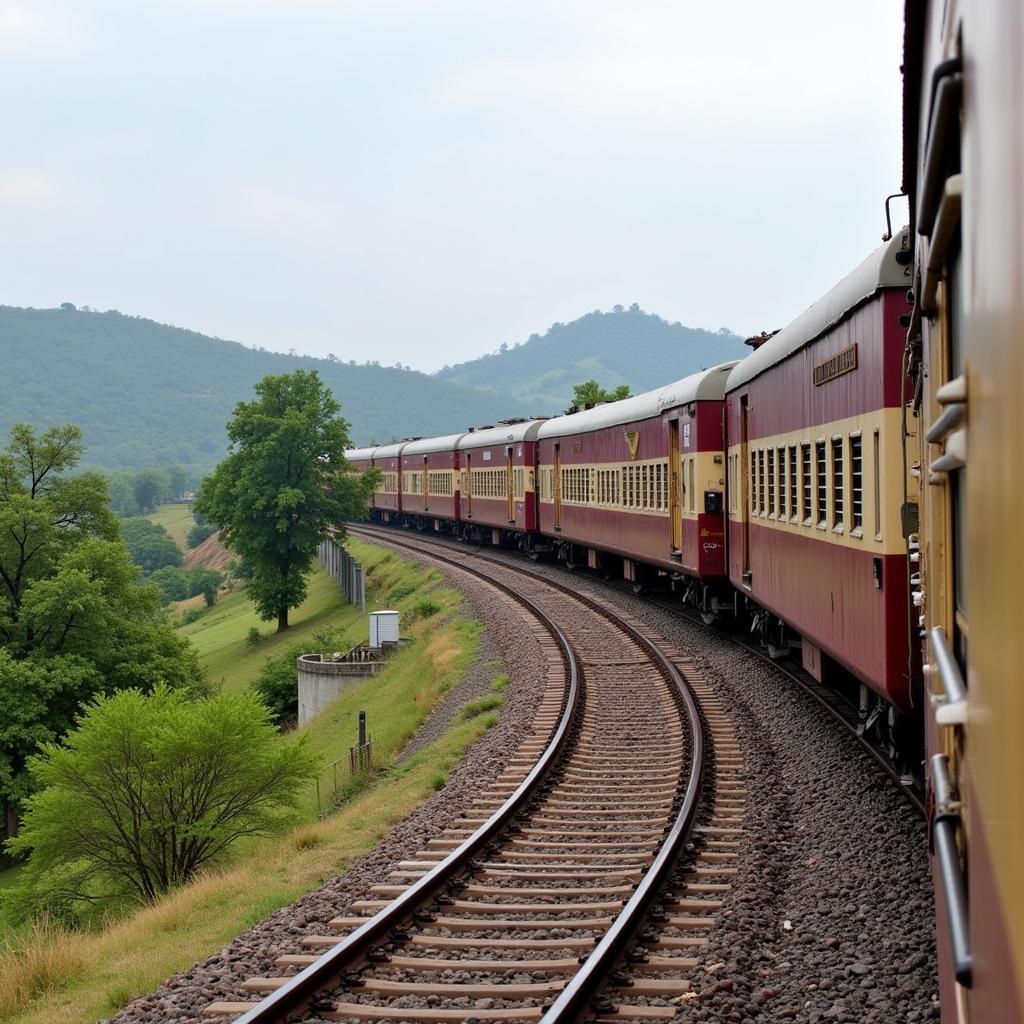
<point x="822" y="474"/>
<point x="792" y="482"/>
<point x="837" y="482"/>
<point x="856" y="482"/>
<point x="878" y="486"/>
<point x="753" y="484"/>
<point x="771" y="482"/>
<point x="805" y="472"/>
<point x="781" y="460"/>
<point x="693" y="487"/>
<point x="760" y="482"/>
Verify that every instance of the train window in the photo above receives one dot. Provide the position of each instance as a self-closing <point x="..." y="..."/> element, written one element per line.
<point x="805" y="481"/>
<point x="822" y="474"/>
<point x="792" y="483"/>
<point x="878" y="483"/>
<point x="760" y="482"/>
<point x="693" y="487"/>
<point x="856" y="484"/>
<point x="837" y="483"/>
<point x="771" y="483"/>
<point x="780" y="459"/>
<point x="753" y="484"/>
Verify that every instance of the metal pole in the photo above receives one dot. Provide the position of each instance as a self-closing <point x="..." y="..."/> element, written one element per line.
<point x="362" y="728"/>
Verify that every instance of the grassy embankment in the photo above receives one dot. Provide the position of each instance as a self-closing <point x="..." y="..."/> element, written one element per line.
<point x="176" y="520"/>
<point x="55" y="976"/>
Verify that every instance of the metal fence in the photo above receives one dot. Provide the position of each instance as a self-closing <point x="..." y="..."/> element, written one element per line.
<point x="345" y="571"/>
<point x="359" y="761"/>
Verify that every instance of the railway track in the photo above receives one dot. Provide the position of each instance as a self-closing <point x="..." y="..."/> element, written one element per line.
<point x="581" y="881"/>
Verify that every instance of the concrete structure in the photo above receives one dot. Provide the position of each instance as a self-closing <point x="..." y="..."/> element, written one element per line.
<point x="323" y="679"/>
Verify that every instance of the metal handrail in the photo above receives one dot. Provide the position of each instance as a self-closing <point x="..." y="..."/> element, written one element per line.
<point x="950" y="874"/>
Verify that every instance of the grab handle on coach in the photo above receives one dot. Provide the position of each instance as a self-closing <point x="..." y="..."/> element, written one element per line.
<point x="945" y="822"/>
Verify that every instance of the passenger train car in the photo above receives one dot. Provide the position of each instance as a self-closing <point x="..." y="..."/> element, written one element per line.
<point x="964" y="174"/>
<point x="818" y="489"/>
<point x="852" y="488"/>
<point x="640" y="484"/>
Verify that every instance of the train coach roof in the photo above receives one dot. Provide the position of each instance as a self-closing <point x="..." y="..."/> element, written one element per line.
<point x="389" y="451"/>
<point x="879" y="270"/>
<point x="359" y="454"/>
<point x="426" y="445"/>
<point x="706" y="385"/>
<point x="508" y="433"/>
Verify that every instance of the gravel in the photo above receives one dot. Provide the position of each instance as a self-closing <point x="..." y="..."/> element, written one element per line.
<point x="506" y="648"/>
<point x="830" y="918"/>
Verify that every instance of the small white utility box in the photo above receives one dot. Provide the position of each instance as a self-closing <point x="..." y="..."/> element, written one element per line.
<point x="383" y="629"/>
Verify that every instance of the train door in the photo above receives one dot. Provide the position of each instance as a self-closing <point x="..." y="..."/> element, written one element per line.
<point x="558" y="486"/>
<point x="509" y="487"/>
<point x="469" y="485"/>
<point x="744" y="488"/>
<point x="674" y="497"/>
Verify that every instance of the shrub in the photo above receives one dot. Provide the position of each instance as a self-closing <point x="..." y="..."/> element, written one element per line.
<point x="146" y="790"/>
<point x="254" y="636"/>
<point x="199" y="533"/>
<point x="192" y="615"/>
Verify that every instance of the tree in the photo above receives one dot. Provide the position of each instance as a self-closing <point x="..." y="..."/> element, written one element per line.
<point x="146" y="790"/>
<point x="150" y="544"/>
<point x="206" y="581"/>
<point x="173" y="583"/>
<point x="591" y="393"/>
<point x="150" y="487"/>
<point x="73" y="618"/>
<point x="283" y="484"/>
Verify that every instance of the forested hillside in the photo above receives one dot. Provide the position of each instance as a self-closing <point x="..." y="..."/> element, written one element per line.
<point x="624" y="346"/>
<point x="147" y="394"/>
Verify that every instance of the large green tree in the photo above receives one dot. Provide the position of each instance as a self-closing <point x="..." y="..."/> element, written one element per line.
<point x="73" y="619"/>
<point x="283" y="484"/>
<point x="146" y="790"/>
<point x="149" y="544"/>
<point x="591" y="393"/>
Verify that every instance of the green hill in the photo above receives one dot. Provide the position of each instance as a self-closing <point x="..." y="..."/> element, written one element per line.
<point x="148" y="394"/>
<point x="625" y="346"/>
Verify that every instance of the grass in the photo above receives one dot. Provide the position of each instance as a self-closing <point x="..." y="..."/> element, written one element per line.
<point x="219" y="636"/>
<point x="51" y="975"/>
<point x="176" y="520"/>
<point x="477" y="707"/>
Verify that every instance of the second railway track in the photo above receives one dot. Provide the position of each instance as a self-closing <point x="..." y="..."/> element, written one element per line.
<point x="580" y="883"/>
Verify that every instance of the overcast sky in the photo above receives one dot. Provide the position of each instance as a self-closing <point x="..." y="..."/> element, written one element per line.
<point x="420" y="182"/>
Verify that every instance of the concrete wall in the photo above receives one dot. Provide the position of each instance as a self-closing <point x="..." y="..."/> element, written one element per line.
<point x="320" y="681"/>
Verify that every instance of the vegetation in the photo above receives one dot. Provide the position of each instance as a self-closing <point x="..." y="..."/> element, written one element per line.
<point x="140" y="492"/>
<point x="282" y="486"/>
<point x="150" y="545"/>
<point x="73" y="620"/>
<point x="64" y="977"/>
<point x="612" y="348"/>
<point x="147" y="394"/>
<point x="591" y="393"/>
<point x="146" y="790"/>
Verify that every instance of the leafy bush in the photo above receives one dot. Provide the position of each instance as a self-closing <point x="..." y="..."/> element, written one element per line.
<point x="150" y="545"/>
<point x="192" y="615"/>
<point x="199" y="533"/>
<point x="206" y="581"/>
<point x="254" y="636"/>
<point x="173" y="583"/>
<point x="147" y="790"/>
<point x="277" y="683"/>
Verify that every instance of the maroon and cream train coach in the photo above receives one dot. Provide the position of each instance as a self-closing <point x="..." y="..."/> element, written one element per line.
<point x="387" y="495"/>
<point x="430" y="479"/>
<point x="641" y="480"/>
<point x="818" y="496"/>
<point x="499" y="469"/>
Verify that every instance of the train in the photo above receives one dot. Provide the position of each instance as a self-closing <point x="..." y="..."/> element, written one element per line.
<point x="817" y="490"/>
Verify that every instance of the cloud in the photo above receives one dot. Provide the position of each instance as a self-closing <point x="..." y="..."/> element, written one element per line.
<point x="26" y="188"/>
<point x="26" y="29"/>
<point x="272" y="210"/>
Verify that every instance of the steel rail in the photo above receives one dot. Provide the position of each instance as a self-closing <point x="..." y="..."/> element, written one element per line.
<point x="307" y="987"/>
<point x="575" y="999"/>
